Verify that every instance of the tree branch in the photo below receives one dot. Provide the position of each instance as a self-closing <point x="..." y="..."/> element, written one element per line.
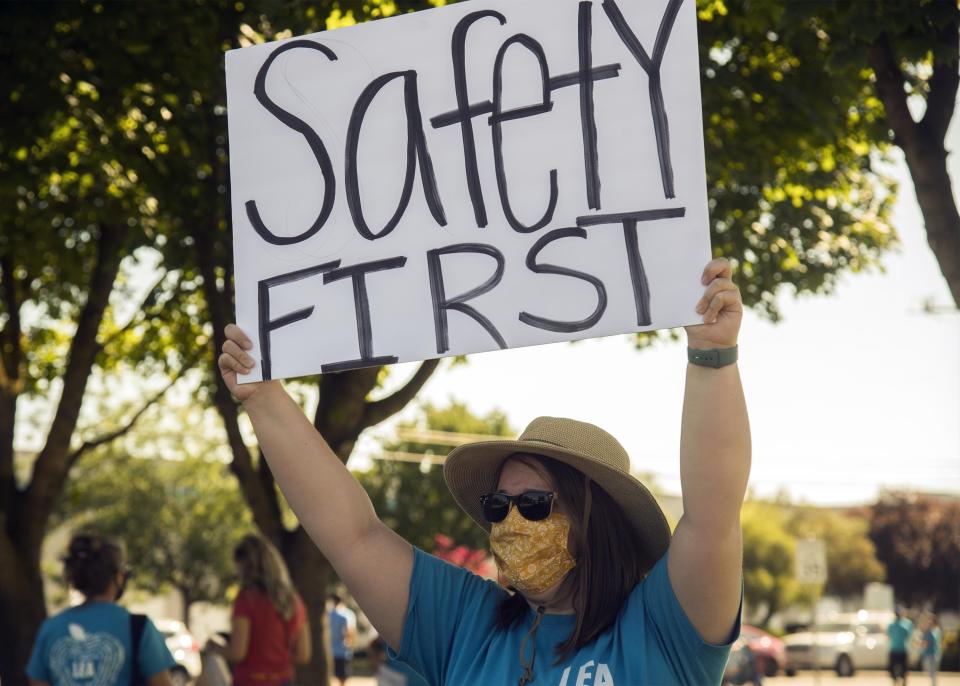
<point x="50" y="468"/>
<point x="218" y="303"/>
<point x="11" y="383"/>
<point x="890" y="81"/>
<point x="377" y="411"/>
<point x="111" y="436"/>
<point x="942" y="98"/>
<point x="149" y="301"/>
<point x="11" y="350"/>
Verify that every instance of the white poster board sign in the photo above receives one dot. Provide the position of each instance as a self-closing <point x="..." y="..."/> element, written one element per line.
<point x="490" y="174"/>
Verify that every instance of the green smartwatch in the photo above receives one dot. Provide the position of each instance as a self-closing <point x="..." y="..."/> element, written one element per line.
<point x="712" y="357"/>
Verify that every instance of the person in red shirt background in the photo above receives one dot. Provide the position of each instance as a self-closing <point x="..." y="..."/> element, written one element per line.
<point x="269" y="629"/>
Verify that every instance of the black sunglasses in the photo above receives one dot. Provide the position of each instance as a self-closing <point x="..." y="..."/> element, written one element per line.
<point x="532" y="505"/>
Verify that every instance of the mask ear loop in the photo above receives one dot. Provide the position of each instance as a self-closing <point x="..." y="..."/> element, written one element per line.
<point x="528" y="674"/>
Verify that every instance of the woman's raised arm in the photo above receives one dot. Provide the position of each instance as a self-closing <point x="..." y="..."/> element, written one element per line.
<point x="373" y="561"/>
<point x="705" y="562"/>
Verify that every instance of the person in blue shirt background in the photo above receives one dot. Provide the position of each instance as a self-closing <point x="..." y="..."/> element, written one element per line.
<point x="899" y="632"/>
<point x="930" y="646"/>
<point x="599" y="592"/>
<point x="92" y="643"/>
<point x="343" y="630"/>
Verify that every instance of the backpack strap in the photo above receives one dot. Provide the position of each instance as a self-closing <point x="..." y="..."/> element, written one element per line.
<point x="137" y="623"/>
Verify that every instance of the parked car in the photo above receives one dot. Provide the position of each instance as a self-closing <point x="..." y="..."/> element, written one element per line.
<point x="184" y="648"/>
<point x="844" y="643"/>
<point x="770" y="650"/>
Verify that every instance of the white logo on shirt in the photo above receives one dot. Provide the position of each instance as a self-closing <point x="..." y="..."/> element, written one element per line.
<point x="83" y="659"/>
<point x="587" y="676"/>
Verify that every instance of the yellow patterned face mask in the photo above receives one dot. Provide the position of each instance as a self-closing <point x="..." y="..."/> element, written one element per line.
<point x="532" y="555"/>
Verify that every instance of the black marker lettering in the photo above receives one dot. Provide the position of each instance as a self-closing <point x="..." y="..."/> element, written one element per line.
<point x="267" y="325"/>
<point x="313" y="140"/>
<point x="464" y="111"/>
<point x="607" y="71"/>
<point x="498" y="116"/>
<point x="440" y="302"/>
<point x="361" y="305"/>
<point x="416" y="153"/>
<point x="532" y="265"/>
<point x="661" y="126"/>
<point x="640" y="216"/>
<point x="638" y="276"/>
<point x="588" y="122"/>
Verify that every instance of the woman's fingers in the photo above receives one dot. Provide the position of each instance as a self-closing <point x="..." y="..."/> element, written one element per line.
<point x="236" y="334"/>
<point x="228" y="364"/>
<point x="718" y="285"/>
<point x="725" y="298"/>
<point x="717" y="268"/>
<point x="231" y="348"/>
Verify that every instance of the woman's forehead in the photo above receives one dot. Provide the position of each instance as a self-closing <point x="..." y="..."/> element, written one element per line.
<point x="520" y="473"/>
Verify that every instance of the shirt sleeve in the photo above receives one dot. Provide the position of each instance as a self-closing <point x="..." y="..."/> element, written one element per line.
<point x="694" y="660"/>
<point x="154" y="655"/>
<point x="242" y="605"/>
<point x="38" y="667"/>
<point x="440" y="594"/>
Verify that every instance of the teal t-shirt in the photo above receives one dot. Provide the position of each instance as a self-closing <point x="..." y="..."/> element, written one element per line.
<point x="931" y="642"/>
<point x="899" y="633"/>
<point x="91" y="645"/>
<point x="450" y="637"/>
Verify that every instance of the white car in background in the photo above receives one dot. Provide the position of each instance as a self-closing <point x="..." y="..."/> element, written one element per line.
<point x="184" y="648"/>
<point x="843" y="643"/>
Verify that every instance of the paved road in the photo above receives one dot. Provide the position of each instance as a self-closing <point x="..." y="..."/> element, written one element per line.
<point x="862" y="678"/>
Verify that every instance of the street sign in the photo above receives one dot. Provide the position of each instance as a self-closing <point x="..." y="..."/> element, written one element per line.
<point x="811" y="561"/>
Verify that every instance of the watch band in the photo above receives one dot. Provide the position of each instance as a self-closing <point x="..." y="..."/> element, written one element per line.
<point x="712" y="357"/>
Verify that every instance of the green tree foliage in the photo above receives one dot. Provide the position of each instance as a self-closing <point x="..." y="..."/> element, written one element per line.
<point x="768" y="560"/>
<point x="851" y="557"/>
<point x="179" y="519"/>
<point x="113" y="145"/>
<point x="793" y="194"/>
<point x="411" y="497"/>
<point x="918" y="539"/>
<point x="770" y="533"/>
<point x="911" y="49"/>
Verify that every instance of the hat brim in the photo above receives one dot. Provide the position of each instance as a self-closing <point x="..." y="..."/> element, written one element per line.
<point x="471" y="470"/>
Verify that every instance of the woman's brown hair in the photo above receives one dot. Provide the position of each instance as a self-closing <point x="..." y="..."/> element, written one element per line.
<point x="610" y="558"/>
<point x="92" y="562"/>
<point x="262" y="568"/>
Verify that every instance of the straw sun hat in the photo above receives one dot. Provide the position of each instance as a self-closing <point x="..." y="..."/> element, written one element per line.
<point x="471" y="470"/>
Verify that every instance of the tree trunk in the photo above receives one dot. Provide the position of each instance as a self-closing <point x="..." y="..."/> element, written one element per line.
<point x="311" y="574"/>
<point x="927" y="161"/>
<point x="24" y="514"/>
<point x="23" y="609"/>
<point x="922" y="143"/>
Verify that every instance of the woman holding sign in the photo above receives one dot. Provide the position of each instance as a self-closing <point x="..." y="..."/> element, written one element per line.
<point x="601" y="592"/>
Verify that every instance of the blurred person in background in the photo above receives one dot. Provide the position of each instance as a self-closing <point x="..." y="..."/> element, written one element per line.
<point x="98" y="642"/>
<point x="343" y="631"/>
<point x="269" y="631"/>
<point x="899" y="632"/>
<point x="931" y="642"/>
